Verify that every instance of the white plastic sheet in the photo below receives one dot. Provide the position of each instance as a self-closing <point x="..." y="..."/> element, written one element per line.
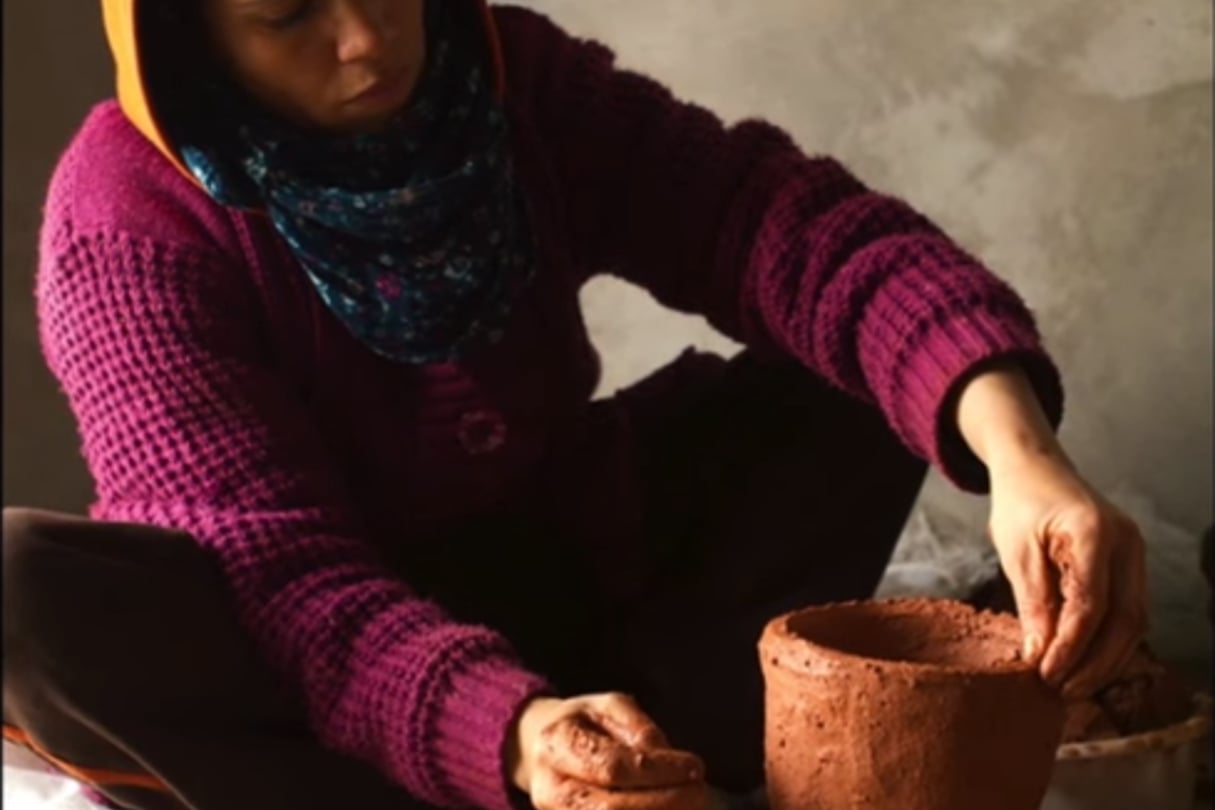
<point x="29" y="784"/>
<point x="938" y="557"/>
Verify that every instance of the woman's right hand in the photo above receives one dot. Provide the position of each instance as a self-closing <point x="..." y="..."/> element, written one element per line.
<point x="600" y="752"/>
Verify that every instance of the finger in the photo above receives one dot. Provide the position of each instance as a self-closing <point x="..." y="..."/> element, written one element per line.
<point x="557" y="792"/>
<point x="1112" y="648"/>
<point x="579" y="748"/>
<point x="620" y="716"/>
<point x="1037" y="598"/>
<point x="1119" y="639"/>
<point x="1083" y="567"/>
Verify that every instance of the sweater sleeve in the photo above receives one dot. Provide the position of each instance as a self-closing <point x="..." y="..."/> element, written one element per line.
<point x="784" y="252"/>
<point x="185" y="425"/>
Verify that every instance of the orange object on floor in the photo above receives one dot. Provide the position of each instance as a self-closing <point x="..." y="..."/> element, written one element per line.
<point x="88" y="776"/>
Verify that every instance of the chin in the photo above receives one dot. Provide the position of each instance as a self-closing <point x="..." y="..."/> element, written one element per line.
<point x="370" y="126"/>
<point x="360" y="125"/>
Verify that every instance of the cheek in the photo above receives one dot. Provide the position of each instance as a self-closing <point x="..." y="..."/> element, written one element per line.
<point x="409" y="22"/>
<point x="290" y="79"/>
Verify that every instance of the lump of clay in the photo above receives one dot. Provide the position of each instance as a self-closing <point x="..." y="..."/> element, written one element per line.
<point x="909" y="704"/>
<point x="1145" y="697"/>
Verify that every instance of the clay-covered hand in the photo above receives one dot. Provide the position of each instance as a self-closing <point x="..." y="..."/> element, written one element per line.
<point x="600" y="752"/>
<point x="1075" y="562"/>
<point x="1077" y="570"/>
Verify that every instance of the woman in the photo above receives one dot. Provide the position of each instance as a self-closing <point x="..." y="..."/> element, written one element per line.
<point x="361" y="536"/>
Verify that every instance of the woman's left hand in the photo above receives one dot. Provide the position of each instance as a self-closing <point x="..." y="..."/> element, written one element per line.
<point x="1076" y="564"/>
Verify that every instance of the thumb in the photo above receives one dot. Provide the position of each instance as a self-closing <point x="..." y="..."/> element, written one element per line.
<point x="622" y="718"/>
<point x="1036" y="595"/>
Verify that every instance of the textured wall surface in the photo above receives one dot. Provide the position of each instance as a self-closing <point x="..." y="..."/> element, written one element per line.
<point x="1066" y="141"/>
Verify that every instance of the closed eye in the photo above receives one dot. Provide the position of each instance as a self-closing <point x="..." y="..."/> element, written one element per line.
<point x="297" y="15"/>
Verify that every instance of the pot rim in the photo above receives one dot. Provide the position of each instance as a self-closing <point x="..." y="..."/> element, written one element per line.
<point x="1193" y="728"/>
<point x="778" y="628"/>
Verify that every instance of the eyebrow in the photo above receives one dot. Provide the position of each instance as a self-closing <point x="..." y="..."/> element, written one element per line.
<point x="247" y="5"/>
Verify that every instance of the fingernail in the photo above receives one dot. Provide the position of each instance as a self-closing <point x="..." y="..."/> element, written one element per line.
<point x="1033" y="648"/>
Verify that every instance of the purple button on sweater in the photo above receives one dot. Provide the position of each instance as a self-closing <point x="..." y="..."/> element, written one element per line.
<point x="215" y="394"/>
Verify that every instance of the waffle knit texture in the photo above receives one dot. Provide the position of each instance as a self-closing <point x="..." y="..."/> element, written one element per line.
<point x="214" y="393"/>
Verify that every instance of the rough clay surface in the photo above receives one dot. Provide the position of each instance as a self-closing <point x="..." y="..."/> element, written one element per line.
<point x="613" y="762"/>
<point x="914" y="704"/>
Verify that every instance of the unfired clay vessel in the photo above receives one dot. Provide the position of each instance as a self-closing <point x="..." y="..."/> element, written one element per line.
<point x="907" y="704"/>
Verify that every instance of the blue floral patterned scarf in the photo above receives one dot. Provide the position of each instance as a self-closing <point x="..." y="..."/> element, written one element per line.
<point x="416" y="238"/>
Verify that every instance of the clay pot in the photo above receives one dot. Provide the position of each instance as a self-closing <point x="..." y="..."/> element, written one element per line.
<point x="908" y="704"/>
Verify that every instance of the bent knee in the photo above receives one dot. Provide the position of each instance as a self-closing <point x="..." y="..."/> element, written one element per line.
<point x="60" y="571"/>
<point x="32" y="553"/>
<point x="34" y="597"/>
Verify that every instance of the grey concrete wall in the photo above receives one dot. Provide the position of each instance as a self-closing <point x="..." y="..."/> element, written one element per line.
<point x="1066" y="141"/>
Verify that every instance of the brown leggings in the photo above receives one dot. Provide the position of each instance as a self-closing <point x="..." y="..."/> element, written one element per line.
<point x="124" y="664"/>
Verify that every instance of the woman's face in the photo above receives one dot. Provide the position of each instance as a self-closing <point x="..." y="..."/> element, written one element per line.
<point x="340" y="65"/>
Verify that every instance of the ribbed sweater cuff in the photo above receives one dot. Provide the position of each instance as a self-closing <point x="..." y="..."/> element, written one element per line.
<point x="485" y="696"/>
<point x="946" y="356"/>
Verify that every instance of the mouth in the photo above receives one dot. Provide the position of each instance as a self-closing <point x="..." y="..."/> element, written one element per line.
<point x="381" y="90"/>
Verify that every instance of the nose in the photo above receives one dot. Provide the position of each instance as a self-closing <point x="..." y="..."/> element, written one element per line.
<point x="361" y="30"/>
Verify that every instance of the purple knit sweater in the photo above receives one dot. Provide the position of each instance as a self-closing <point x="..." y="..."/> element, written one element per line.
<point x="215" y="394"/>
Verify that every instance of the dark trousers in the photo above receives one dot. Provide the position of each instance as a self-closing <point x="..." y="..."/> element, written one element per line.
<point x="763" y="491"/>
